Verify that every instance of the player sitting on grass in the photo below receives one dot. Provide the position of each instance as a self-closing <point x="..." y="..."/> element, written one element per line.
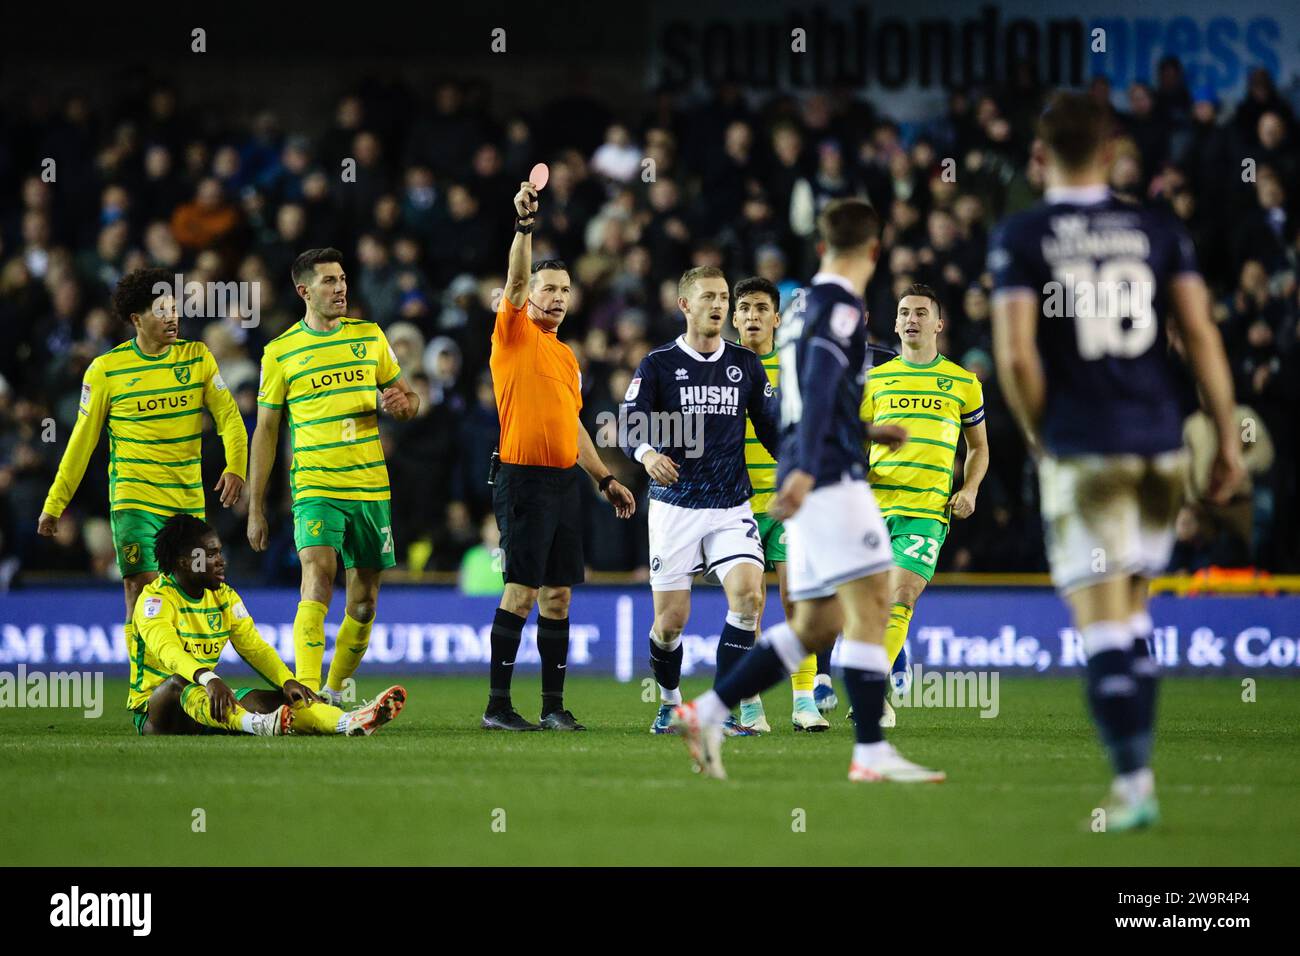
<point x="184" y="618"/>
<point x="758" y="313"/>
<point x="151" y="392"/>
<point x="935" y="400"/>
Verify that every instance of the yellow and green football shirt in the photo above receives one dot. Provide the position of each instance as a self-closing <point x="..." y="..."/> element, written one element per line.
<point x="761" y="465"/>
<point x="326" y="383"/>
<point x="153" y="406"/>
<point x="179" y="634"/>
<point x="934" y="402"/>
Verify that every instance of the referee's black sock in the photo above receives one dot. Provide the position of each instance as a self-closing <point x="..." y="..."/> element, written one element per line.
<point x="506" y="630"/>
<point x="553" y="646"/>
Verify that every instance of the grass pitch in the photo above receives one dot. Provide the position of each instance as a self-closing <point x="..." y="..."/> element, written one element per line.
<point x="434" y="789"/>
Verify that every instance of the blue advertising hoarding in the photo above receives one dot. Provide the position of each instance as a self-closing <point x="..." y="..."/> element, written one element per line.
<point x="437" y="630"/>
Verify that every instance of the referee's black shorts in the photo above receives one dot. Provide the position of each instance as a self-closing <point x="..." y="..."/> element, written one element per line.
<point x="539" y="515"/>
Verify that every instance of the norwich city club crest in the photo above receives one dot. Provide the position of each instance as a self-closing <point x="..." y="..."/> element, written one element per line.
<point x="359" y="349"/>
<point x="945" y="384"/>
<point x="182" y="374"/>
<point x="214" y="620"/>
<point x="131" y="553"/>
<point x="313" y="527"/>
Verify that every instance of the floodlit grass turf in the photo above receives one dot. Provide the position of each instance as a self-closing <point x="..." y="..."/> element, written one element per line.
<point x="424" y="791"/>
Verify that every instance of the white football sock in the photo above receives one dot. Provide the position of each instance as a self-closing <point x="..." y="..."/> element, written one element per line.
<point x="867" y="754"/>
<point x="711" y="708"/>
<point x="1136" y="785"/>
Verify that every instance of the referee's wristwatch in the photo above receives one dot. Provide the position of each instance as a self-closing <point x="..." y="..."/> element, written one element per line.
<point x="604" y="482"/>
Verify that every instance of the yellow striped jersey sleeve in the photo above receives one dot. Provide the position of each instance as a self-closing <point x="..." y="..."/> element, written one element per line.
<point x="258" y="654"/>
<point x="934" y="402"/>
<point x="326" y="383"/>
<point x="153" y="406"/>
<point x="91" y="412"/>
<point x="761" y="465"/>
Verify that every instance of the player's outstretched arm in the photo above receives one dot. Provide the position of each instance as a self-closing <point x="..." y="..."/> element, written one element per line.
<point x="1210" y="369"/>
<point x="91" y="413"/>
<point x="266" y="437"/>
<point x="521" y="249"/>
<point x="590" y="461"/>
<point x="1019" y="366"/>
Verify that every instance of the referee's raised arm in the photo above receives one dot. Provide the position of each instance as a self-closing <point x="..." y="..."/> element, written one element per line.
<point x="521" y="249"/>
<point x="536" y="493"/>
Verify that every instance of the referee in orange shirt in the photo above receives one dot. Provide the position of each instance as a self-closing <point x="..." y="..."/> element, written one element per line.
<point x="536" y="494"/>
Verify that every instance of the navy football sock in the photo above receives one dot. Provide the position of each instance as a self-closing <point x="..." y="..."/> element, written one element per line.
<point x="757" y="670"/>
<point x="1113" y="701"/>
<point x="866" y="690"/>
<point x="1146" y="672"/>
<point x="824" y="663"/>
<point x="734" y="643"/>
<point x="666" y="665"/>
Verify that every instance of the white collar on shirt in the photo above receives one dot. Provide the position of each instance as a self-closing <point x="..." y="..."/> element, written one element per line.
<point x="1078" y="195"/>
<point x="711" y="357"/>
<point x="835" y="279"/>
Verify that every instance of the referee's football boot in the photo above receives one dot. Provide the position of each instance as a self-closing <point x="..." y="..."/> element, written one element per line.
<point x="560" y="720"/>
<point x="506" y="719"/>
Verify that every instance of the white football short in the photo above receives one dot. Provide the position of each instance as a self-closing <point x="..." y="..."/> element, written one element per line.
<point x="685" y="542"/>
<point x="837" y="536"/>
<point x="1107" y="516"/>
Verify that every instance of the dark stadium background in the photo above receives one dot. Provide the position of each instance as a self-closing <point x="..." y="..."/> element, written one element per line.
<point x="443" y="130"/>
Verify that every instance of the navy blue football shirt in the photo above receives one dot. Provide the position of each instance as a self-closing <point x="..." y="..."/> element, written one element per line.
<point x="1101" y="267"/>
<point x="824" y="363"/>
<point x="692" y="408"/>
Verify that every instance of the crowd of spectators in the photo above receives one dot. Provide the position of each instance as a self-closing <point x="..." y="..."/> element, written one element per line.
<point x="417" y="195"/>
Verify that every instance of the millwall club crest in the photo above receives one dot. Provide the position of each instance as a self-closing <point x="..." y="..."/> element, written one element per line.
<point x="182" y="374"/>
<point x="214" y="620"/>
<point x="945" y="384"/>
<point x="359" y="349"/>
<point x="733" y="373"/>
<point x="131" y="553"/>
